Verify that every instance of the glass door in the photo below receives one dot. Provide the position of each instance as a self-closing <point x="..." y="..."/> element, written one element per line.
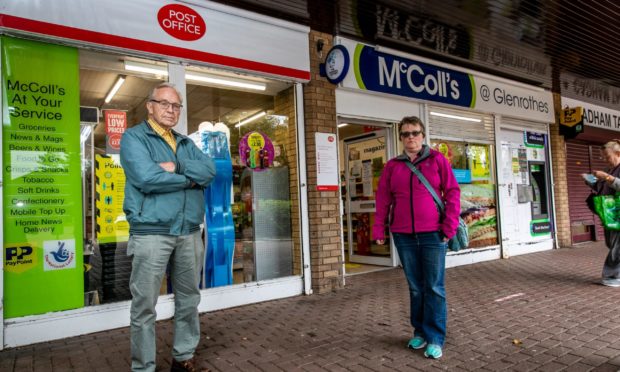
<point x="365" y="156"/>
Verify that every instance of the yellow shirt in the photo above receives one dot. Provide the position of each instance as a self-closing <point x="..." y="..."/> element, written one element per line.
<point x="165" y="133"/>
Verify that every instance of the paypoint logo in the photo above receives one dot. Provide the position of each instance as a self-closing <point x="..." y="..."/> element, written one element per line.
<point x="19" y="258"/>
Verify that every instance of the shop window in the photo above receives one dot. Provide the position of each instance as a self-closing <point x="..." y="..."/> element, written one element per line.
<point x="264" y="192"/>
<point x="120" y="96"/>
<point x="262" y="144"/>
<point x="473" y="168"/>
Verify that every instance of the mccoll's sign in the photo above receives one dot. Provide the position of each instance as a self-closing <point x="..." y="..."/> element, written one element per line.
<point x="377" y="71"/>
<point x="382" y="72"/>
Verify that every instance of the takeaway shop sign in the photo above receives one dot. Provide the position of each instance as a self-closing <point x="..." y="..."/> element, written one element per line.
<point x="181" y="22"/>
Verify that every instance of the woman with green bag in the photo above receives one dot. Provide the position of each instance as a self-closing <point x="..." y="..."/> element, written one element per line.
<point x="608" y="183"/>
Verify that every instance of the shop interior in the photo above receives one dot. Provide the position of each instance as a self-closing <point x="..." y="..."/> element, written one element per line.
<point x="264" y="196"/>
<point x="364" y="152"/>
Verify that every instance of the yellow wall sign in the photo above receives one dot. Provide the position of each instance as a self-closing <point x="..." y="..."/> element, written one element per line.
<point x="112" y="226"/>
<point x="571" y="116"/>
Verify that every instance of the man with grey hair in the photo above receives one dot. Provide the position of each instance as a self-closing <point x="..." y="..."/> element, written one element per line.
<point x="164" y="204"/>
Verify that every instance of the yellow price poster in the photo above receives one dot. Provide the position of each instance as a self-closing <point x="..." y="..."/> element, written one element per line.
<point x="112" y="226"/>
<point x="480" y="163"/>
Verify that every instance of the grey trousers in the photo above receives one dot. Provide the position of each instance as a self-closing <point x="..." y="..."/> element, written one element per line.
<point x="611" y="268"/>
<point x="150" y="258"/>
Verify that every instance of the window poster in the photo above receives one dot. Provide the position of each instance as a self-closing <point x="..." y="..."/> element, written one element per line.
<point x="42" y="203"/>
<point x="326" y="162"/>
<point x="480" y="163"/>
<point x="367" y="178"/>
<point x="256" y="151"/>
<point x="112" y="225"/>
<point x="456" y="153"/>
<point x="479" y="213"/>
<point x="115" y="126"/>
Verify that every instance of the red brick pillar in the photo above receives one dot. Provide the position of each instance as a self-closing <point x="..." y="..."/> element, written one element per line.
<point x="324" y="206"/>
<point x="560" y="182"/>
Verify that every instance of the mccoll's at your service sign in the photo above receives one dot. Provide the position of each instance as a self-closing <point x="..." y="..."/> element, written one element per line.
<point x="414" y="77"/>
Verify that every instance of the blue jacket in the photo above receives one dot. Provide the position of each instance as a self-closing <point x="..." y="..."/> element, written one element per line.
<point x="157" y="201"/>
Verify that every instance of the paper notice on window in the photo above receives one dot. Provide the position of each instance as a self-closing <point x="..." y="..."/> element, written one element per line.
<point x="367" y="177"/>
<point x="326" y="162"/>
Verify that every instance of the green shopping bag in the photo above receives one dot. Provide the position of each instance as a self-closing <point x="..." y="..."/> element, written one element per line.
<point x="607" y="207"/>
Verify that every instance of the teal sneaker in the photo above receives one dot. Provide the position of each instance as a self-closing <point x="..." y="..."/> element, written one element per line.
<point x="433" y="351"/>
<point x="416" y="343"/>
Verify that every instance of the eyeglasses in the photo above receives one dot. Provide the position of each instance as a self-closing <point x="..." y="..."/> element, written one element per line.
<point x="166" y="105"/>
<point x="413" y="133"/>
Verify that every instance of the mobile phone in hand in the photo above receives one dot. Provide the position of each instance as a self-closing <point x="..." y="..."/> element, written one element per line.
<point x="589" y="177"/>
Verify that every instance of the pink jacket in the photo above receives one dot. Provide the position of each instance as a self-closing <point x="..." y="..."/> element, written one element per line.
<point x="408" y="204"/>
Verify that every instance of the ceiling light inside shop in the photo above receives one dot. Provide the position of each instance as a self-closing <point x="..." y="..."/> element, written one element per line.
<point x="251" y="118"/>
<point x="455" y="117"/>
<point x="115" y="88"/>
<point x="195" y="76"/>
<point x="342" y="125"/>
<point x="147" y="68"/>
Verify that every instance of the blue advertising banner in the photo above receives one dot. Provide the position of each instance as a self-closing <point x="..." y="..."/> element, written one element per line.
<point x="387" y="73"/>
<point x="462" y="175"/>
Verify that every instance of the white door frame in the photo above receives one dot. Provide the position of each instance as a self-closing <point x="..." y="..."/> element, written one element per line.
<point x="390" y="152"/>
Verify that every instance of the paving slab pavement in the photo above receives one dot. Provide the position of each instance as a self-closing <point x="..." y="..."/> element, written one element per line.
<point x="536" y="312"/>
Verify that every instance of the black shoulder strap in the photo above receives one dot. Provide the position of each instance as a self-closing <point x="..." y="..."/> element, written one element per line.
<point x="424" y="181"/>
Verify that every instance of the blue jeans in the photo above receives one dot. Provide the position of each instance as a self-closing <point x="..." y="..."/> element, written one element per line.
<point x="423" y="257"/>
<point x="150" y="258"/>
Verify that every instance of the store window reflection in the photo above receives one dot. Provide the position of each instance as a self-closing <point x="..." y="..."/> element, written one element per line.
<point x="259" y="120"/>
<point x="264" y="184"/>
<point x="120" y="97"/>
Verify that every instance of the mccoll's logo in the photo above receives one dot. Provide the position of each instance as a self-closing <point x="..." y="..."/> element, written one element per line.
<point x="382" y="72"/>
<point x="181" y="22"/>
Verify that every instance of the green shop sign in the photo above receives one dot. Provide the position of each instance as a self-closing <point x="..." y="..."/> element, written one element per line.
<point x="41" y="166"/>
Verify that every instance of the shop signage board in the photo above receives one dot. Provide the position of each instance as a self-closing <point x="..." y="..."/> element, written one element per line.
<point x="533" y="139"/>
<point x="204" y="32"/>
<point x="540" y="227"/>
<point x="594" y="115"/>
<point x="326" y="162"/>
<point x="517" y="51"/>
<point x="112" y="225"/>
<point x="43" y="236"/>
<point x="594" y="91"/>
<point x="391" y="72"/>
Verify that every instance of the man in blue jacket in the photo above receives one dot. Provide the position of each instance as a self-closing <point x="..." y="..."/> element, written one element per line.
<point x="165" y="205"/>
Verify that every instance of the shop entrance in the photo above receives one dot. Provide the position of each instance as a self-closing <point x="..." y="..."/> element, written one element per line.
<point x="365" y="150"/>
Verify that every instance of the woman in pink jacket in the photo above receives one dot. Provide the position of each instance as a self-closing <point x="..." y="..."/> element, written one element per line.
<point x="420" y="231"/>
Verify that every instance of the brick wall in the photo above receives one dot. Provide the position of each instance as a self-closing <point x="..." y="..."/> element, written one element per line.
<point x="324" y="207"/>
<point x="560" y="187"/>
